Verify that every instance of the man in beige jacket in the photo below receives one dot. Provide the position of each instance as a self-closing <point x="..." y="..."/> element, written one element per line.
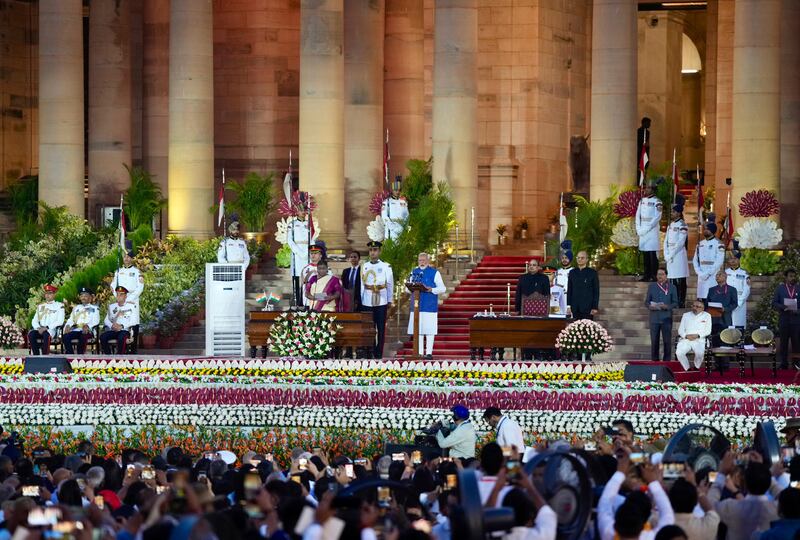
<point x="685" y="495"/>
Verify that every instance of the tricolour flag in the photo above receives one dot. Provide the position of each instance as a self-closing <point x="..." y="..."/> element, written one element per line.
<point x="261" y="298"/>
<point x="221" y="201"/>
<point x="643" y="160"/>
<point x="562" y="220"/>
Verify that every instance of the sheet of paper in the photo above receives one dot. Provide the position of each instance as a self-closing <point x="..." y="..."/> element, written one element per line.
<point x="790" y="303"/>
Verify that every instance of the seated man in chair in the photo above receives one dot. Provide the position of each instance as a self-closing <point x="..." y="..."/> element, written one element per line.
<point x="83" y="318"/>
<point x="695" y="327"/>
<point x="121" y="318"/>
<point x="47" y="319"/>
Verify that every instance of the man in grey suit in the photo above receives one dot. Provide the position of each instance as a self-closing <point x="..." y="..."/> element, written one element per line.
<point x="661" y="299"/>
<point x="754" y="512"/>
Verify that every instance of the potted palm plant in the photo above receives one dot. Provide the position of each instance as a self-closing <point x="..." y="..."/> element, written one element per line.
<point x="143" y="200"/>
<point x="255" y="200"/>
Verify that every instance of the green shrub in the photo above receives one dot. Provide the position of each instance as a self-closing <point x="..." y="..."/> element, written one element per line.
<point x="283" y="257"/>
<point x="591" y="223"/>
<point x="143" y="199"/>
<point x="255" y="200"/>
<point x="763" y="314"/>
<point x="760" y="262"/>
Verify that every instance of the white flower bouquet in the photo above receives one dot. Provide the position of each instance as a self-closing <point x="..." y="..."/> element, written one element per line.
<point x="760" y="233"/>
<point x="282" y="226"/>
<point x="306" y="334"/>
<point x="624" y="233"/>
<point x="584" y="337"/>
<point x="11" y="336"/>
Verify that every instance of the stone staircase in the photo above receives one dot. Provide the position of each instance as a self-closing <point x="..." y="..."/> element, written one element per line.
<point x="623" y="314"/>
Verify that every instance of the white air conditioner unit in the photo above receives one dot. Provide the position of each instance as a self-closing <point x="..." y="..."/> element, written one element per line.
<point x="225" y="316"/>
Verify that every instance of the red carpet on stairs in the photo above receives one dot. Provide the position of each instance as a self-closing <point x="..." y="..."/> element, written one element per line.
<point x="485" y="286"/>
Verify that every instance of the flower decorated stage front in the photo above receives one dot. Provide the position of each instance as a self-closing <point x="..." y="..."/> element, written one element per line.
<point x="118" y="401"/>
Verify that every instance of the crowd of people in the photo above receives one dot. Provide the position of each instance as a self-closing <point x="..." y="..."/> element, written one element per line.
<point x="414" y="495"/>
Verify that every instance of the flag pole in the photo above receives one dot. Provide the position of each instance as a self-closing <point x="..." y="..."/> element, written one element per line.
<point x="224" y="218"/>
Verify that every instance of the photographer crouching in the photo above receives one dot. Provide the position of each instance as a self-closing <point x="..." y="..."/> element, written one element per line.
<point x="458" y="438"/>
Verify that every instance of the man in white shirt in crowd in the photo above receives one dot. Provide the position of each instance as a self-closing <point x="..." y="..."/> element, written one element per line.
<point x="509" y="434"/>
<point x="462" y="438"/>
<point x="628" y="522"/>
<point x="695" y="327"/>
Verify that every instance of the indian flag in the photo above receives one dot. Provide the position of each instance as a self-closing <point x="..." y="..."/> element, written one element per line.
<point x="267" y="297"/>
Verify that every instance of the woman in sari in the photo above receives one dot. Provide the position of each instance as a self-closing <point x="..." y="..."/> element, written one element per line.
<point x="324" y="290"/>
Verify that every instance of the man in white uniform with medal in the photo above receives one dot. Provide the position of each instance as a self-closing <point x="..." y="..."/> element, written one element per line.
<point x="648" y="220"/>
<point x="232" y="249"/>
<point x="394" y="212"/>
<point x="739" y="279"/>
<point x="377" y="283"/>
<point x="78" y="327"/>
<point x="129" y="277"/>
<point x="121" y="318"/>
<point x="675" y="250"/>
<point x="709" y="257"/>
<point x="47" y="319"/>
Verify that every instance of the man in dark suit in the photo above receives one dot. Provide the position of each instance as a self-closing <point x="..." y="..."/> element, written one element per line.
<point x="661" y="299"/>
<point x="722" y="297"/>
<point x="351" y="281"/>
<point x="785" y="303"/>
<point x="583" y="290"/>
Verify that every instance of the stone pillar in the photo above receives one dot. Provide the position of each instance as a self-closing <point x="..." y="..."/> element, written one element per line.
<point x="322" y="113"/>
<point x="363" y="112"/>
<point x="404" y="82"/>
<point x="61" y="158"/>
<point x="455" y="102"/>
<point x="191" y="118"/>
<point x="614" y="119"/>
<point x="155" y="83"/>
<point x="659" y="89"/>
<point x="724" y="96"/>
<point x="790" y="120"/>
<point x="756" y="98"/>
<point x="109" y="102"/>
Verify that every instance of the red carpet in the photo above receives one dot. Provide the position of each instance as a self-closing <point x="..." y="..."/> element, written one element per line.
<point x="763" y="374"/>
<point x="486" y="285"/>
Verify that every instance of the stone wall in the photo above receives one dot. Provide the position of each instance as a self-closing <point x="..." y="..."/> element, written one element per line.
<point x="19" y="62"/>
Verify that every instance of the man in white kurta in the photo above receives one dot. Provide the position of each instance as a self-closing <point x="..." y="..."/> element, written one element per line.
<point x="648" y="219"/>
<point x="695" y="327"/>
<point x="675" y="252"/>
<point x="232" y="249"/>
<point x="394" y="212"/>
<point x="428" y="303"/>
<point x="739" y="279"/>
<point x="709" y="257"/>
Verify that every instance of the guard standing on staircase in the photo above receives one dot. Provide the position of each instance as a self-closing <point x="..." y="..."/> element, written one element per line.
<point x="739" y="279"/>
<point x="377" y="284"/>
<point x="428" y="303"/>
<point x="709" y="256"/>
<point x="648" y="219"/>
<point x="562" y="274"/>
<point x="675" y="250"/>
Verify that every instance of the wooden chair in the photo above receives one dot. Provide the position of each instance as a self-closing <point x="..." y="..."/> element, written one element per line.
<point x="92" y="344"/>
<point x="534" y="305"/>
<point x="732" y="339"/>
<point x="764" y="347"/>
<point x="131" y="347"/>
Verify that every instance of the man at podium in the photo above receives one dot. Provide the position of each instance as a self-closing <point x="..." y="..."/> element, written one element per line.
<point x="431" y="279"/>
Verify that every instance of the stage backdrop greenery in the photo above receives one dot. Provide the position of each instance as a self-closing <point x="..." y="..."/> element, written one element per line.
<point x="591" y="223"/>
<point x="431" y="214"/>
<point x="255" y="200"/>
<point x="57" y="242"/>
<point x="143" y="199"/>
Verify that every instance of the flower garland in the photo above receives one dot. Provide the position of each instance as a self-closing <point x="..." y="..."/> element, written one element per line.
<point x="541" y="422"/>
<point x="585" y="337"/>
<point x="306" y="334"/>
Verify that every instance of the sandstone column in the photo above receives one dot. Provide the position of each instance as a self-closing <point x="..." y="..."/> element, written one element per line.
<point x="363" y="112"/>
<point x="191" y="118"/>
<point x="109" y="102"/>
<point x="155" y="83"/>
<point x="322" y="113"/>
<point x="614" y="119"/>
<point x="61" y="159"/>
<point x="790" y="119"/>
<point x="455" y="102"/>
<point x="756" y="98"/>
<point x="404" y="82"/>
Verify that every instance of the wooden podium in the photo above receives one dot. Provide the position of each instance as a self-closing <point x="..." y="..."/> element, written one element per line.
<point x="415" y="288"/>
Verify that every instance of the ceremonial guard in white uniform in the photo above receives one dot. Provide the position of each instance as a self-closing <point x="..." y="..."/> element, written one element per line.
<point x="78" y="327"/>
<point x="129" y="277"/>
<point x="675" y="250"/>
<point x="298" y="236"/>
<point x="121" y="318"/>
<point x="708" y="258"/>
<point x="648" y="219"/>
<point x="695" y="327"/>
<point x="47" y="319"/>
<point x="394" y="212"/>
<point x="558" y="297"/>
<point x="428" y="303"/>
<point x="377" y="284"/>
<point x="739" y="279"/>
<point x="232" y="249"/>
<point x="562" y="274"/>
